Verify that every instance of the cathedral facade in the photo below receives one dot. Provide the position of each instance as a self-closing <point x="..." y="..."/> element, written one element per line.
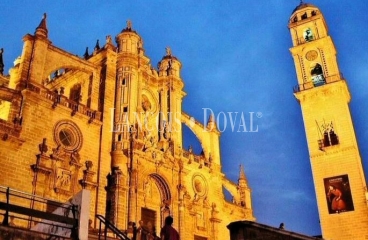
<point x="111" y="123"/>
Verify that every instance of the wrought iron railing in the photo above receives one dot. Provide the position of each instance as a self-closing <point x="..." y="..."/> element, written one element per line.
<point x="109" y="226"/>
<point x="310" y="84"/>
<point x="30" y="212"/>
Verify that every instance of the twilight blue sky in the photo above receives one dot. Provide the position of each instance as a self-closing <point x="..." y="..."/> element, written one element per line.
<point x="236" y="58"/>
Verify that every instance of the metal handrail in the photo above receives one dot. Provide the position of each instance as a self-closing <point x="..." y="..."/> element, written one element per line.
<point x="10" y="207"/>
<point x="309" y="85"/>
<point x="110" y="226"/>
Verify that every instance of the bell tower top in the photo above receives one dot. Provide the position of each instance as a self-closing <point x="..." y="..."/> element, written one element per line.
<point x="313" y="50"/>
<point x="306" y="24"/>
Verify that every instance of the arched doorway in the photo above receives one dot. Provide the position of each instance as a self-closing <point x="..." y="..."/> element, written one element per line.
<point x="157" y="202"/>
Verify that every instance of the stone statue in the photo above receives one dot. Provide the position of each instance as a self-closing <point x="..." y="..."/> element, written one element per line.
<point x="129" y="25"/>
<point x="89" y="165"/>
<point x="168" y="51"/>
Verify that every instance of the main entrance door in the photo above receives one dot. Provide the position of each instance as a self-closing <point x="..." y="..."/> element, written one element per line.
<point x="149" y="217"/>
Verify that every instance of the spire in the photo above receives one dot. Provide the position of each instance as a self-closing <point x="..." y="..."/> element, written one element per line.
<point x="242" y="174"/>
<point x="211" y="124"/>
<point x="1" y="62"/>
<point x="41" y="30"/>
<point x="86" y="54"/>
<point x="97" y="47"/>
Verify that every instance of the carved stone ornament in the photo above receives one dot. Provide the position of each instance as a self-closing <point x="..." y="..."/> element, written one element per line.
<point x="200" y="185"/>
<point x="311" y="55"/>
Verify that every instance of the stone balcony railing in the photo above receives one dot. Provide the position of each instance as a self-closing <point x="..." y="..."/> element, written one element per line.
<point x="59" y="99"/>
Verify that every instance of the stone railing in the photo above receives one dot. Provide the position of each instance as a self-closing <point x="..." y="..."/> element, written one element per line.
<point x="59" y="99"/>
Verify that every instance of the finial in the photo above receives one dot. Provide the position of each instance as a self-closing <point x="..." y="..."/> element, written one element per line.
<point x="108" y="39"/>
<point x="168" y="51"/>
<point x="43" y="146"/>
<point x="1" y="62"/>
<point x="41" y="30"/>
<point x="242" y="173"/>
<point x="86" y="54"/>
<point x="211" y="124"/>
<point x="301" y="1"/>
<point x="97" y="47"/>
<point x="129" y="25"/>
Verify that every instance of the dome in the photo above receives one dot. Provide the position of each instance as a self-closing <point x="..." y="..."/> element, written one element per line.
<point x="303" y="5"/>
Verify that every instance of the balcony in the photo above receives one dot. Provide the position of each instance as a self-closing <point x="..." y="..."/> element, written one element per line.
<point x="317" y="81"/>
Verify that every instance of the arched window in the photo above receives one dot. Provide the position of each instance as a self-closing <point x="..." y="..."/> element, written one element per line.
<point x="308" y="35"/>
<point x="75" y="93"/>
<point x="317" y="75"/>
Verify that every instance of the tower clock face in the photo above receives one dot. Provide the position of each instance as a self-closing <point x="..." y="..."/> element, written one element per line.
<point x="311" y="55"/>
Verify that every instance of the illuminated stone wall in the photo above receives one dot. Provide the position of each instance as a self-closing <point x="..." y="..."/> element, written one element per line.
<point x="111" y="123"/>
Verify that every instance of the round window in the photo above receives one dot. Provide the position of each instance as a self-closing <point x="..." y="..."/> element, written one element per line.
<point x="68" y="135"/>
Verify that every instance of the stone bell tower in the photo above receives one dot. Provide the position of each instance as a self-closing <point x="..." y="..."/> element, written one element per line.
<point x="324" y="96"/>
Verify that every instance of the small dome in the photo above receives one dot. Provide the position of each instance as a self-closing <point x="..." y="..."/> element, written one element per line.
<point x="303" y="5"/>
